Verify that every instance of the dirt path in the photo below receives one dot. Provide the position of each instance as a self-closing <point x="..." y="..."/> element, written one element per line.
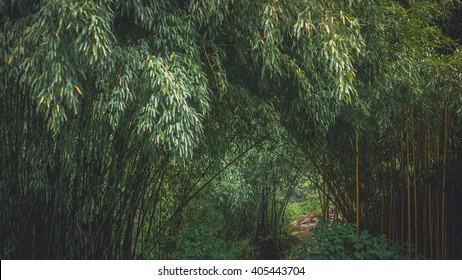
<point x="304" y="225"/>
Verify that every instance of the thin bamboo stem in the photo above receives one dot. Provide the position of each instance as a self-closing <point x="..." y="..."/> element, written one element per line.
<point x="408" y="183"/>
<point x="443" y="212"/>
<point x="416" y="240"/>
<point x="357" y="182"/>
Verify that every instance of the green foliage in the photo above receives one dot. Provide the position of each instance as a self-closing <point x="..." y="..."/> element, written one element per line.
<point x="116" y="116"/>
<point x="231" y="192"/>
<point x="200" y="239"/>
<point x="310" y="204"/>
<point x="340" y="242"/>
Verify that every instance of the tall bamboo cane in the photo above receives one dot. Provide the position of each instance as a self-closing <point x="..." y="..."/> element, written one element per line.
<point x="357" y="182"/>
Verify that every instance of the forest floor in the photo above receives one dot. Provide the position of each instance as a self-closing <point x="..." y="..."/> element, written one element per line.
<point x="303" y="226"/>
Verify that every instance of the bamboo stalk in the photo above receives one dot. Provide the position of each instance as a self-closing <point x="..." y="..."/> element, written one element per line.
<point x="357" y="183"/>
<point x="382" y="206"/>
<point x="408" y="183"/>
<point x="425" y="190"/>
<point x="390" y="224"/>
<point x="321" y="201"/>
<point x="437" y="229"/>
<point x="445" y="155"/>
<point x="402" y="198"/>
<point x="430" y="214"/>
<point x="430" y="217"/>
<point x="416" y="241"/>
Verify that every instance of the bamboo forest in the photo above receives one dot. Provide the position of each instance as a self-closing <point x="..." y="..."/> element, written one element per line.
<point x="231" y="129"/>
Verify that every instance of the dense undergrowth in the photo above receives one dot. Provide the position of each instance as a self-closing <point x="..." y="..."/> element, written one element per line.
<point x="335" y="241"/>
<point x="205" y="236"/>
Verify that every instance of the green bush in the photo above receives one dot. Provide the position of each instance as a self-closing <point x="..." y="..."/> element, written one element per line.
<point x="340" y="242"/>
<point x="200" y="238"/>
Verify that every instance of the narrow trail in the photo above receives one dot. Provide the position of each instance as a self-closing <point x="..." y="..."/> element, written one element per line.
<point x="303" y="227"/>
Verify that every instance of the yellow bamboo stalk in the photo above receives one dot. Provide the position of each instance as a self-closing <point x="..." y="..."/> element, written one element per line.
<point x="425" y="188"/>
<point x="357" y="182"/>
<point x="408" y="183"/>
<point x="437" y="198"/>
<point x="415" y="189"/>
<point x="402" y="200"/>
